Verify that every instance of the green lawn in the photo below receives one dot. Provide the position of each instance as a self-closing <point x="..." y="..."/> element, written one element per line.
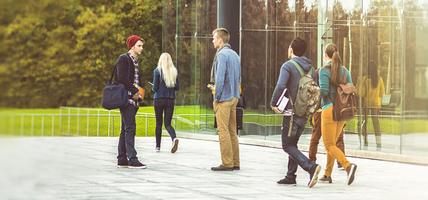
<point x="92" y="122"/>
<point x="100" y="122"/>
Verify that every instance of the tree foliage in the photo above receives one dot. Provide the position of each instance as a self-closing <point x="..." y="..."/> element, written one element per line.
<point x="60" y="53"/>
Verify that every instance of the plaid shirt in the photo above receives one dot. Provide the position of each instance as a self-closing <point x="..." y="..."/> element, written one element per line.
<point x="136" y="79"/>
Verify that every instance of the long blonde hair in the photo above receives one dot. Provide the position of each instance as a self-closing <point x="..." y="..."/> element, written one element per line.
<point x="167" y="70"/>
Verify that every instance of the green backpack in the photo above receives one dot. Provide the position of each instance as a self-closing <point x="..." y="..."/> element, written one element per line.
<point x="308" y="94"/>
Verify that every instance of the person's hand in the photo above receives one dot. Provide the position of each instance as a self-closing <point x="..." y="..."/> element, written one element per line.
<point x="136" y="96"/>
<point x="276" y="110"/>
<point x="212" y="88"/>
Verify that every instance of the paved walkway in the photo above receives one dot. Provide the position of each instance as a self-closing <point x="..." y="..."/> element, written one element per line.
<point x="85" y="168"/>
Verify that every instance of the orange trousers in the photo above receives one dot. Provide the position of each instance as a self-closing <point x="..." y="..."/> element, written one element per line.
<point x="330" y="131"/>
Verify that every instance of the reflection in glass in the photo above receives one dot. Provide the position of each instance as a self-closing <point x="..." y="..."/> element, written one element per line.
<point x="383" y="39"/>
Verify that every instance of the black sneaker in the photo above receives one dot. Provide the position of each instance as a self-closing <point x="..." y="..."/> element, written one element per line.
<point x="122" y="163"/>
<point x="287" y="181"/>
<point x="136" y="165"/>
<point x="222" y="168"/>
<point x="174" y="145"/>
<point x="350" y="170"/>
<point x="313" y="176"/>
<point x="326" y="179"/>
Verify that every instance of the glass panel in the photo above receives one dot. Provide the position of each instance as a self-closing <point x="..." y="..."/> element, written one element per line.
<point x="380" y="41"/>
<point x="415" y="127"/>
<point x="254" y="14"/>
<point x="187" y="37"/>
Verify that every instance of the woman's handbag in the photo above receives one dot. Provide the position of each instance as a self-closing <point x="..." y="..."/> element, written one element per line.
<point x="114" y="94"/>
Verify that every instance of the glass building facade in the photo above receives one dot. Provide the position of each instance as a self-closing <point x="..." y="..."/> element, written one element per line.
<point x="384" y="43"/>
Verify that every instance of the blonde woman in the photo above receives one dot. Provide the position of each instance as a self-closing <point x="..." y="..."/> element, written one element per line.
<point x="165" y="84"/>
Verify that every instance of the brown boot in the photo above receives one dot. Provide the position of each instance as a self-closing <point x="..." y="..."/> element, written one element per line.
<point x="326" y="179"/>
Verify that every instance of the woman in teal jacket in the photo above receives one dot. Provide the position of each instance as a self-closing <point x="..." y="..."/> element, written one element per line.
<point x="329" y="77"/>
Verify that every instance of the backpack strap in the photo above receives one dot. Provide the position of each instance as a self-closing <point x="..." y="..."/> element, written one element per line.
<point x="300" y="69"/>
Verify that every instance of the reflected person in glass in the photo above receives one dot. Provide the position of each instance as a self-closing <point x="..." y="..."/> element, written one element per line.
<point x="372" y="90"/>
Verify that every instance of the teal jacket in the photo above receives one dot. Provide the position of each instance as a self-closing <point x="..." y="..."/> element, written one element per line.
<point x="328" y="90"/>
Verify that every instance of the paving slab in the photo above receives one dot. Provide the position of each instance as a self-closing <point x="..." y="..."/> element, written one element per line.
<point x="85" y="168"/>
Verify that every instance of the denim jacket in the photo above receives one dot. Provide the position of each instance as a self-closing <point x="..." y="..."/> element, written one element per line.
<point x="159" y="87"/>
<point x="227" y="75"/>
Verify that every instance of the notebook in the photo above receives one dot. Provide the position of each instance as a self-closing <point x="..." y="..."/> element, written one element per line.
<point x="282" y="101"/>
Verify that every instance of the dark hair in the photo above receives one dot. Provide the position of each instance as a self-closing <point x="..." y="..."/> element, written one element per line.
<point x="223" y="33"/>
<point x="336" y="62"/>
<point x="373" y="75"/>
<point x="299" y="46"/>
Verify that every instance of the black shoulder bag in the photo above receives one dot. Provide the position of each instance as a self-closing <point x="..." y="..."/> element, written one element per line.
<point x="114" y="94"/>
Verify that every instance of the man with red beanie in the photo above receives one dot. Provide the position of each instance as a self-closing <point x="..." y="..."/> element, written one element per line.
<point x="128" y="74"/>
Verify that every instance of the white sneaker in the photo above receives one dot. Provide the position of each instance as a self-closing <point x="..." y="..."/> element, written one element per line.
<point x="350" y="170"/>
<point x="174" y="145"/>
<point x="157" y="150"/>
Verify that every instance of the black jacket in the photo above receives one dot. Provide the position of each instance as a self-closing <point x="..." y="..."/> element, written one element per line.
<point x="125" y="73"/>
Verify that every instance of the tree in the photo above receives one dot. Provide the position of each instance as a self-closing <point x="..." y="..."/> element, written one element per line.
<point x="60" y="53"/>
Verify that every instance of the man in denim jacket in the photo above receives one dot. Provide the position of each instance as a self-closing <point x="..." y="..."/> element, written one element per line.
<point x="226" y="75"/>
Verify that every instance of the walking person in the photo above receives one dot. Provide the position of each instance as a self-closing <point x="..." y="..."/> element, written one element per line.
<point x="315" y="138"/>
<point x="165" y="84"/>
<point x="128" y="74"/>
<point x="316" y="133"/>
<point x="226" y="75"/>
<point x="293" y="125"/>
<point x="330" y="76"/>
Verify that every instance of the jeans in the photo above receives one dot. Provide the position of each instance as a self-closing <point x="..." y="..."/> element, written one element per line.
<point x="126" y="147"/>
<point x="289" y="145"/>
<point x="164" y="108"/>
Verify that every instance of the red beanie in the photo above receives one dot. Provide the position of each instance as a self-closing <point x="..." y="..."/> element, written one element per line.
<point x="130" y="42"/>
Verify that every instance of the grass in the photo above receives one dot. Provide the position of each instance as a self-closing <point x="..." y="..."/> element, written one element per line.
<point x="92" y="122"/>
<point x="100" y="122"/>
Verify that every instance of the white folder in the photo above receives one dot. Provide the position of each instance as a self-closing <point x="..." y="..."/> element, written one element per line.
<point x="282" y="101"/>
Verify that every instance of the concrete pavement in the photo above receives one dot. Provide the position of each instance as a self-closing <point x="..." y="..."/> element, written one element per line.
<point x="85" y="168"/>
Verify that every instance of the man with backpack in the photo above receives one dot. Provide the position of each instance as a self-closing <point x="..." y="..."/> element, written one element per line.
<point x="303" y="93"/>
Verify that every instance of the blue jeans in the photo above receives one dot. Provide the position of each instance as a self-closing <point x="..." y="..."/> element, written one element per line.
<point x="126" y="149"/>
<point x="289" y="145"/>
<point x="164" y="108"/>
